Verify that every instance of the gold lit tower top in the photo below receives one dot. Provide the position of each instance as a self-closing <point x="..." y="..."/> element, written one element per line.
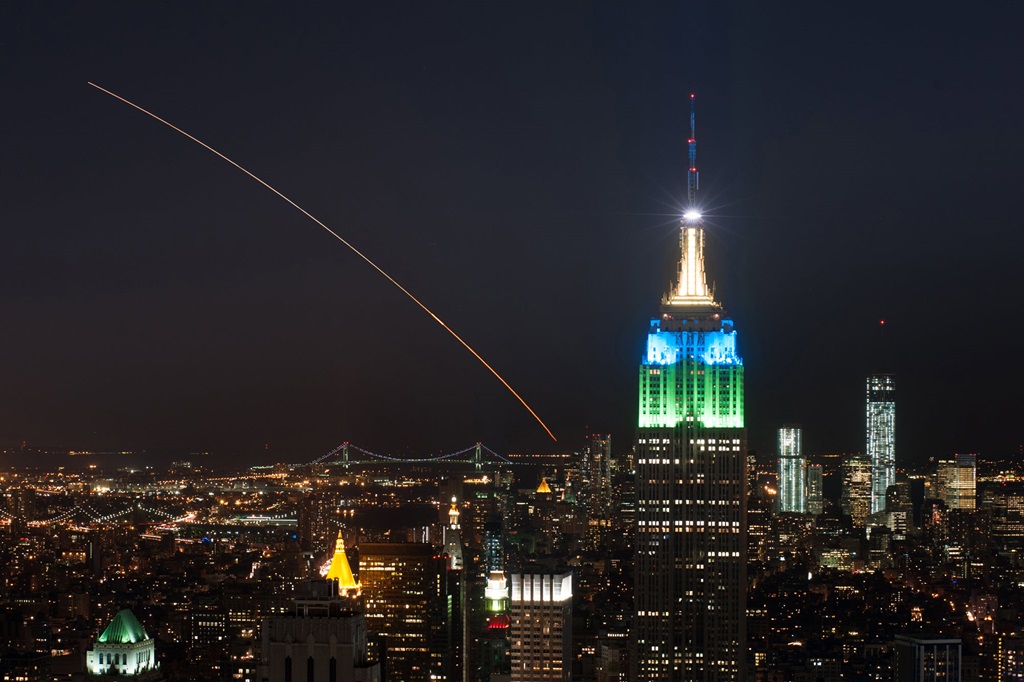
<point x="341" y="571"/>
<point x="453" y="514"/>
<point x="691" y="290"/>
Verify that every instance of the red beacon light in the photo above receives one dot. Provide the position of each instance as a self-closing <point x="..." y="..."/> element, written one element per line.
<point x="499" y="622"/>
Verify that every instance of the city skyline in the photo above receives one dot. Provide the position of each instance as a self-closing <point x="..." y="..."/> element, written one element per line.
<point x="156" y="301"/>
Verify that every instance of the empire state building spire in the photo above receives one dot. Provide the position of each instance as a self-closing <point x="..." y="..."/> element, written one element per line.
<point x="692" y="284"/>
<point x="692" y="179"/>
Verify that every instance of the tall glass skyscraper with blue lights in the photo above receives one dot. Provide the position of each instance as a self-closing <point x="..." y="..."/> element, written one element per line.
<point x="881" y="436"/>
<point x="792" y="468"/>
<point x="691" y="551"/>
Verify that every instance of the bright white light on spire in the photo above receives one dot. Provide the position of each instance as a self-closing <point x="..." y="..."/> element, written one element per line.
<point x="691" y="215"/>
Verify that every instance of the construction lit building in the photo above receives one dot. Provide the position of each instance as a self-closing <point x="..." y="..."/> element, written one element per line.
<point x="881" y="436"/>
<point x="792" y="480"/>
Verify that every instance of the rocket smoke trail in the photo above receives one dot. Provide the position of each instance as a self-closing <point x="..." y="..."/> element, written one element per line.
<point x="337" y="236"/>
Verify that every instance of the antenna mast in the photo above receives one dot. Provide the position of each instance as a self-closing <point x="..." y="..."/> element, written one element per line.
<point x="691" y="174"/>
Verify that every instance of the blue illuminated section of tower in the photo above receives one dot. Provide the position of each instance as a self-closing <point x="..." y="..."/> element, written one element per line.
<point x="707" y="348"/>
<point x="691" y="371"/>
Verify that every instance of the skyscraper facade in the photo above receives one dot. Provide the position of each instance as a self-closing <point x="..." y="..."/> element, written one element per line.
<point x="881" y="436"/>
<point x="792" y="479"/>
<point x="541" y="631"/>
<point x="1010" y="658"/>
<point x="323" y="638"/>
<point x="923" y="658"/>
<point x="899" y="508"/>
<point x="596" y="472"/>
<point x="494" y="555"/>
<point x="956" y="482"/>
<point x="319" y="520"/>
<point x="691" y="545"/>
<point x="495" y="657"/>
<point x="406" y="591"/>
<point x="1006" y="503"/>
<point x="494" y="645"/>
<point x="815" y="489"/>
<point x="452" y="535"/>
<point x="856" y="499"/>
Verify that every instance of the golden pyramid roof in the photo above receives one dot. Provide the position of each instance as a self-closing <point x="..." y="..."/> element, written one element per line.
<point x="543" y="487"/>
<point x="340" y="569"/>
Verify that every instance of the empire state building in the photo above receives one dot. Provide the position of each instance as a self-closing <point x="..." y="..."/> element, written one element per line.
<point x="691" y="539"/>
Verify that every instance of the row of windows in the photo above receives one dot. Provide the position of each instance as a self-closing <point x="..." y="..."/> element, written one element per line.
<point x="332" y="669"/>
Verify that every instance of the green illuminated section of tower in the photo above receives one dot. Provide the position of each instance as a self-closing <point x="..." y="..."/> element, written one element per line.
<point x="710" y="394"/>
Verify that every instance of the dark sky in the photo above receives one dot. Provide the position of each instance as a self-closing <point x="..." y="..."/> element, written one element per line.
<point x="520" y="167"/>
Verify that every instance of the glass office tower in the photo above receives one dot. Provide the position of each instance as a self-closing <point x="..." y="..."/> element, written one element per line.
<point x="881" y="436"/>
<point x="792" y="466"/>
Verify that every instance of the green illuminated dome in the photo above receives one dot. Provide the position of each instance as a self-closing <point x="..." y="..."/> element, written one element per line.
<point x="124" y="629"/>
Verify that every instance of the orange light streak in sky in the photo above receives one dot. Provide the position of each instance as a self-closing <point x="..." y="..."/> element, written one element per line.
<point x="337" y="236"/>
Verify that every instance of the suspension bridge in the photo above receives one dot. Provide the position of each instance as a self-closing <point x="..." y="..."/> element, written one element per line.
<point x="477" y="455"/>
<point x="347" y="455"/>
<point x="85" y="512"/>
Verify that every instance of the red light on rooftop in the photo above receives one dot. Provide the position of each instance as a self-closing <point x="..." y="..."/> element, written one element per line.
<point x="499" y="622"/>
<point x="881" y="322"/>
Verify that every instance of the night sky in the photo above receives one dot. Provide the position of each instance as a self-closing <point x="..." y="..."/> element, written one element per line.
<point x="520" y="167"/>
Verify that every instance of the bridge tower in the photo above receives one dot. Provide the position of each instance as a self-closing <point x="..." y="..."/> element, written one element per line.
<point x="344" y="454"/>
<point x="478" y="456"/>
